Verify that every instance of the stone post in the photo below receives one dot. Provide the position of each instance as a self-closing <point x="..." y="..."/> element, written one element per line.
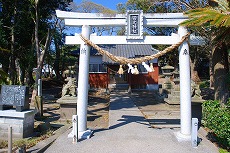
<point x="39" y="87"/>
<point x="10" y="139"/>
<point x="194" y="134"/>
<point x="39" y="106"/>
<point x="75" y="130"/>
<point x="39" y="99"/>
<point x="185" y="89"/>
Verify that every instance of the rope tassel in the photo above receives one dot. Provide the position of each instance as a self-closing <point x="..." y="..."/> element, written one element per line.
<point x="151" y="67"/>
<point x="135" y="70"/>
<point x="120" y="71"/>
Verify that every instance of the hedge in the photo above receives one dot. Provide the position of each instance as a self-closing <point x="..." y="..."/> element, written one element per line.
<point x="217" y="118"/>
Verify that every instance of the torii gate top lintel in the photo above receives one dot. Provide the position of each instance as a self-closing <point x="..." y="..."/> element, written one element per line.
<point x="77" y="19"/>
<point x="95" y="19"/>
<point x="134" y="31"/>
<point x="78" y="15"/>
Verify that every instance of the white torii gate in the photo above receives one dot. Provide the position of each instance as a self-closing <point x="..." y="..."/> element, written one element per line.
<point x="134" y="22"/>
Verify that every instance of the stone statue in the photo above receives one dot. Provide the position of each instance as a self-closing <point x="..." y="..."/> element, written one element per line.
<point x="69" y="89"/>
<point x="195" y="91"/>
<point x="71" y="71"/>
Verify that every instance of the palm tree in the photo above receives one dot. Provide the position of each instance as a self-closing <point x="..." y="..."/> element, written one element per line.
<point x="216" y="17"/>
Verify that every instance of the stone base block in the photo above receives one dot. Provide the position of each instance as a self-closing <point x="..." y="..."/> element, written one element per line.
<point x="68" y="107"/>
<point x="82" y="135"/>
<point x="22" y="123"/>
<point x="181" y="137"/>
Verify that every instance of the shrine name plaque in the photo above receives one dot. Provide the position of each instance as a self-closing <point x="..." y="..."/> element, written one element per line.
<point x="14" y="95"/>
<point x="134" y="28"/>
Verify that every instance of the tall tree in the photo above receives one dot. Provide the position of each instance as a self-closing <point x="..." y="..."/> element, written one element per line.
<point x="3" y="74"/>
<point x="59" y="29"/>
<point x="7" y="27"/>
<point x="42" y="15"/>
<point x="217" y="19"/>
<point x="19" y="18"/>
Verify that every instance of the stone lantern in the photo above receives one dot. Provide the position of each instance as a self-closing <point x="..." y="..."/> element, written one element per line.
<point x="176" y="78"/>
<point x="167" y="71"/>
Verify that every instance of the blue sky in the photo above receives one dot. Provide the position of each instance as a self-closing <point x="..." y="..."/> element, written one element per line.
<point x="107" y="3"/>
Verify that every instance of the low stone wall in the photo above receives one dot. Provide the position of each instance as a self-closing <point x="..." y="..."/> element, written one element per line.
<point x="22" y="123"/>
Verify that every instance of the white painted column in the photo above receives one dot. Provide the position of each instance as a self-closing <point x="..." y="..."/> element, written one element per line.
<point x="83" y="77"/>
<point x="185" y="89"/>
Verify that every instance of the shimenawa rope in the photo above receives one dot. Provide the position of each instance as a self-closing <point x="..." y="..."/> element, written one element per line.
<point x="123" y="60"/>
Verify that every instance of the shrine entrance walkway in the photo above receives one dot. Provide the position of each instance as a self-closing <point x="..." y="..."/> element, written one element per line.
<point x="130" y="132"/>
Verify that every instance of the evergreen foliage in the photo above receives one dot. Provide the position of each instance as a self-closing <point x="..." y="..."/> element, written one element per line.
<point x="217" y="118"/>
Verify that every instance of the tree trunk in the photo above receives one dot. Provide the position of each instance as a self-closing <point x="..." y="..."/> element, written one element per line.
<point x="40" y="55"/>
<point x="12" y="70"/>
<point x="194" y="74"/>
<point x="37" y="48"/>
<point x="57" y="60"/>
<point x="39" y="69"/>
<point x="22" y="76"/>
<point x="211" y="79"/>
<point x="220" y="75"/>
<point x="30" y="80"/>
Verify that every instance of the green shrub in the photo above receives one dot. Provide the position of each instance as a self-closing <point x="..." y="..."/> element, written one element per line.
<point x="204" y="84"/>
<point x="3" y="144"/>
<point x="3" y="77"/>
<point x="223" y="151"/>
<point x="217" y="118"/>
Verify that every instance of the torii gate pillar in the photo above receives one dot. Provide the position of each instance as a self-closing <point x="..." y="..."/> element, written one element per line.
<point x="83" y="80"/>
<point x="185" y="89"/>
<point x="83" y="85"/>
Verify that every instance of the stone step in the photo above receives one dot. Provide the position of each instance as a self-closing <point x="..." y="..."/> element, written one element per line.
<point x="172" y="101"/>
<point x="175" y="92"/>
<point x="174" y="97"/>
<point x="122" y="87"/>
<point x="176" y="101"/>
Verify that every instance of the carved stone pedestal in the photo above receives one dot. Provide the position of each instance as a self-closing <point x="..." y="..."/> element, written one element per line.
<point x="68" y="107"/>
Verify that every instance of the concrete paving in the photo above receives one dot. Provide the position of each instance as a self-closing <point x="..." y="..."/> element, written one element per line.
<point x="129" y="132"/>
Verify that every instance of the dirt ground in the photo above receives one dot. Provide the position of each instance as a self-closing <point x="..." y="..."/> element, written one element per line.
<point x="150" y="103"/>
<point x="98" y="106"/>
<point x="98" y="110"/>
